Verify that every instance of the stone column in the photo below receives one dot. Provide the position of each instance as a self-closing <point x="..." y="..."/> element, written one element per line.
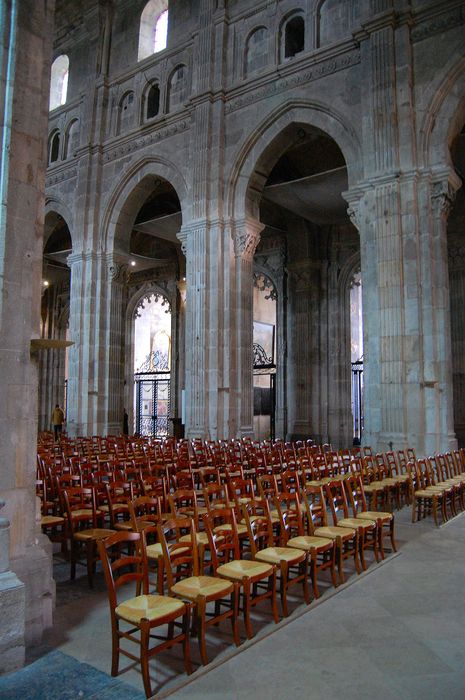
<point x="25" y="46"/>
<point x="112" y="331"/>
<point x="304" y="354"/>
<point x="246" y="238"/>
<point x="12" y="606"/>
<point x="436" y="197"/>
<point x="96" y="366"/>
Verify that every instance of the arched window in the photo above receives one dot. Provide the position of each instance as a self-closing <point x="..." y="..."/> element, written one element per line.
<point x="59" y="81"/>
<point x="71" y="139"/>
<point x="153" y="32"/>
<point x="54" y="147"/>
<point x="125" y="112"/>
<point x="256" y="52"/>
<point x="152" y="102"/>
<point x="177" y="88"/>
<point x="293" y="36"/>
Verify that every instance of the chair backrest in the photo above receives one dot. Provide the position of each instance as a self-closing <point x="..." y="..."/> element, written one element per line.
<point x="356" y="493"/>
<point x="315" y="507"/>
<point x="180" y="558"/>
<point x="144" y="509"/>
<point x="221" y="527"/>
<point x="288" y="506"/>
<point x="290" y="481"/>
<point x="259" y="528"/>
<point x="216" y="495"/>
<point x="120" y="568"/>
<point x="80" y="506"/>
<point x="337" y="499"/>
<point x="183" y="503"/>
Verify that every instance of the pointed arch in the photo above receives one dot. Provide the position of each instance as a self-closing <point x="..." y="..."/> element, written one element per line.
<point x="247" y="176"/>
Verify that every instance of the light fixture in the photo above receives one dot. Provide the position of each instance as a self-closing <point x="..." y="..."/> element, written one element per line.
<point x="133" y="263"/>
<point x="45" y="283"/>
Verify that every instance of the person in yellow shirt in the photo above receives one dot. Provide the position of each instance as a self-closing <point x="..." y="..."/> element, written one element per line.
<point x="58" y="418"/>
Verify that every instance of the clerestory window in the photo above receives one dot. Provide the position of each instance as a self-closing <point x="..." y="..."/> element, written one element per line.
<point x="153" y="35"/>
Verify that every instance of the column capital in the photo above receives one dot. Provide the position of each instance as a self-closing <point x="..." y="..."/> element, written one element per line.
<point x="246" y="237"/>
<point x="443" y="191"/>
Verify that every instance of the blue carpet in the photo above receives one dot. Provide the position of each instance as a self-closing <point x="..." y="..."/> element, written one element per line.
<point x="57" y="676"/>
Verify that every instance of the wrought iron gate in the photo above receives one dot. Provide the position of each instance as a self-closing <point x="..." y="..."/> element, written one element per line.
<point x="152" y="389"/>
<point x="264" y="396"/>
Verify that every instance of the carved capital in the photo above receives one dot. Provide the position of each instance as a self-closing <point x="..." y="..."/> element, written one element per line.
<point x="118" y="272"/>
<point x="246" y="238"/>
<point x="353" y="211"/>
<point x="442" y="197"/>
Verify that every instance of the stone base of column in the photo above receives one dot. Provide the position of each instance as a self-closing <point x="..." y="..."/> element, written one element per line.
<point x="35" y="570"/>
<point x="12" y="615"/>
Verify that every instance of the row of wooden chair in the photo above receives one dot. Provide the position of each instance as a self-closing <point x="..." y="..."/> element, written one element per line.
<point x="438" y="485"/>
<point x="241" y="572"/>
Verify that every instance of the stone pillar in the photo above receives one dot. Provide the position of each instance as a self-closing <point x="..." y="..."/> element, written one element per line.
<point x="112" y="331"/>
<point x="305" y="354"/>
<point x="208" y="253"/>
<point x="246" y="238"/>
<point x="436" y="197"/>
<point x="96" y="366"/>
<point x="24" y="84"/>
<point x="12" y="606"/>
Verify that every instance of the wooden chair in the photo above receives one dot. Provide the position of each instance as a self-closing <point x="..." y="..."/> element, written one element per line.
<point x="291" y="563"/>
<point x="119" y="495"/>
<point x="367" y="528"/>
<point x="384" y="520"/>
<point x="226" y="563"/>
<point x="346" y="538"/>
<point x="426" y="496"/>
<point x="185" y="581"/>
<point x="321" y="552"/>
<point x="83" y="527"/>
<point x="143" y="613"/>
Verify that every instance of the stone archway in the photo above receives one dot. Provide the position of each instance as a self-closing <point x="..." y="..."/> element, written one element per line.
<point x="259" y="182"/>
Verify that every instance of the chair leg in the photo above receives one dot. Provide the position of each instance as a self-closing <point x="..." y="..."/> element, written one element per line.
<point x="90" y="552"/>
<point x="340" y="561"/>
<point x="333" y="568"/>
<point x="246" y="594"/>
<point x="186" y="643"/>
<point x="274" y="602"/>
<point x="201" y="624"/>
<point x="391" y="535"/>
<point x="303" y="571"/>
<point x="357" y="554"/>
<point x="144" y="659"/>
<point x="283" y="587"/>
<point x="235" y="615"/>
<point x="114" y="646"/>
<point x="361" y="540"/>
<point x="381" y="540"/>
<point x="313" y="567"/>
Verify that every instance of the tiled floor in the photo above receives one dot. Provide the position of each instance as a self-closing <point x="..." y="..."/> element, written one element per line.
<point x="397" y="631"/>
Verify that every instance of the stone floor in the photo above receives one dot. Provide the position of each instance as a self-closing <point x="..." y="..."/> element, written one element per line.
<point x="396" y="631"/>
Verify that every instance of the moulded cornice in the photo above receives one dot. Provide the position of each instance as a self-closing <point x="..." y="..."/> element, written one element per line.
<point x="434" y="20"/>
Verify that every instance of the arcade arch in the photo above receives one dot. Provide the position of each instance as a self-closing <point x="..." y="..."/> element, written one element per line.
<point x="295" y="190"/>
<point x="55" y="309"/>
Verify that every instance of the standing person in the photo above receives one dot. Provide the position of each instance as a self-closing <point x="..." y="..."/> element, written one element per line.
<point x="58" y="418"/>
